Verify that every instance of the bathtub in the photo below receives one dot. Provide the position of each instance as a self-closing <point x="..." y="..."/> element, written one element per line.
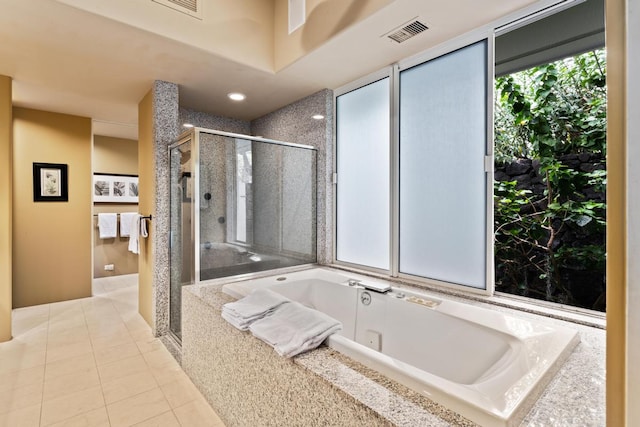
<point x="487" y="366"/>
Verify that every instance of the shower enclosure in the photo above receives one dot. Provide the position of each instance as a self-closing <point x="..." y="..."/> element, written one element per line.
<point x="238" y="205"/>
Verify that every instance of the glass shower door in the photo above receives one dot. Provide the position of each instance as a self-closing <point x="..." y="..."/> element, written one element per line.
<point x="181" y="239"/>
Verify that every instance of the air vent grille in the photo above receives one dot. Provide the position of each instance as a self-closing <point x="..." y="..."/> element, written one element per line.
<point x="190" y="7"/>
<point x="408" y="31"/>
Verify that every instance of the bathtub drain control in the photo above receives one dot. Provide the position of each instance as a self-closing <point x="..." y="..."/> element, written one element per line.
<point x="365" y="298"/>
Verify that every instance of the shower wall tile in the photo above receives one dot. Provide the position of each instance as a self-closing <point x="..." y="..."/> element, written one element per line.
<point x="208" y="121"/>
<point x="294" y="123"/>
<point x="165" y="132"/>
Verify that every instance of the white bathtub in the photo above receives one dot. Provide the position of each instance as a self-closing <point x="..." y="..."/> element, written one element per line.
<point x="483" y="364"/>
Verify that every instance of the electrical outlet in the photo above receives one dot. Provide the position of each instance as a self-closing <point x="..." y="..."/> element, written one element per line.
<point x="109" y="267"/>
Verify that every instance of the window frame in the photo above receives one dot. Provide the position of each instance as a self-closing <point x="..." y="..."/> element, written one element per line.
<point x="387" y="72"/>
<point x="489" y="32"/>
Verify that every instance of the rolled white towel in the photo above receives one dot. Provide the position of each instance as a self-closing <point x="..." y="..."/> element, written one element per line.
<point x="293" y="329"/>
<point x="108" y="225"/>
<point x="254" y="306"/>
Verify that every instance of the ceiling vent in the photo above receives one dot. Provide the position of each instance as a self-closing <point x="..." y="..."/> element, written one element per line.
<point x="189" y="7"/>
<point x="407" y="31"/>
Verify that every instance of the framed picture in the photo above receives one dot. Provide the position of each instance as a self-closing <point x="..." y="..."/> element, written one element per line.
<point x="114" y="188"/>
<point x="50" y="182"/>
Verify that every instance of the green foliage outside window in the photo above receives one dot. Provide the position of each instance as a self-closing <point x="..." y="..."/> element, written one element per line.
<point x="550" y="221"/>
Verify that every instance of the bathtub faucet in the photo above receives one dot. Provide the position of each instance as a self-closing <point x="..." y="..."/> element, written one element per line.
<point x="354" y="282"/>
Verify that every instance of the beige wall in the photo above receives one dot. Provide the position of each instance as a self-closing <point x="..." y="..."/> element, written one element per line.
<point x="325" y="19"/>
<point x="5" y="208"/>
<point x="616" y="217"/>
<point x="113" y="156"/>
<point x="241" y="31"/>
<point x="147" y="186"/>
<point x="52" y="240"/>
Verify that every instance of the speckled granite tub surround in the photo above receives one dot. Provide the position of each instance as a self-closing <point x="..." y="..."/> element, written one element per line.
<point x="238" y="375"/>
<point x="248" y="384"/>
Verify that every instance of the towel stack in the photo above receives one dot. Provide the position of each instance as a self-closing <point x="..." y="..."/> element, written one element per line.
<point x="256" y="305"/>
<point x="287" y="326"/>
<point x="293" y="329"/>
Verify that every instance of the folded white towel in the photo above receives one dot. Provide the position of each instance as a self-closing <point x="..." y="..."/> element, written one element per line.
<point x="293" y="329"/>
<point x="127" y="222"/>
<point x="259" y="303"/>
<point x="108" y="225"/>
<point x="134" y="234"/>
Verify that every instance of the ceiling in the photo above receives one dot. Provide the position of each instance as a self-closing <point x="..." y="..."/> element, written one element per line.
<point x="67" y="60"/>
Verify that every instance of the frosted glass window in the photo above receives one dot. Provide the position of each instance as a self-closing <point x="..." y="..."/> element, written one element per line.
<point x="443" y="131"/>
<point x="362" y="154"/>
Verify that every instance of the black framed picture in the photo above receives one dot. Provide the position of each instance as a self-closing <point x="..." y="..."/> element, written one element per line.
<point x="50" y="182"/>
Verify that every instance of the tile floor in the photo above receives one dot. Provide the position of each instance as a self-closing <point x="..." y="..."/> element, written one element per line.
<point x="94" y="362"/>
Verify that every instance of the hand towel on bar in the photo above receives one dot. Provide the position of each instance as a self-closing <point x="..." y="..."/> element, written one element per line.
<point x="127" y="223"/>
<point x="134" y="234"/>
<point x="108" y="225"/>
<point x="256" y="305"/>
<point x="293" y="329"/>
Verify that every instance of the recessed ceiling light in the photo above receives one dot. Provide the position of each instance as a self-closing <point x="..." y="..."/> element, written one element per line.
<point x="187" y="125"/>
<point x="317" y="117"/>
<point x="237" y="96"/>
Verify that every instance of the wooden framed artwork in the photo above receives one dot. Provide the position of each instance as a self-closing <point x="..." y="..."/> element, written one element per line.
<point x="115" y="188"/>
<point x="50" y="182"/>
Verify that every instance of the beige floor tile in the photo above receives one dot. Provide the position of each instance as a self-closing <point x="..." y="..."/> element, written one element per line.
<point x="118" y="352"/>
<point x="25" y="417"/>
<point x="68" y="321"/>
<point x="96" y="418"/>
<point x="135" y="322"/>
<point x="23" y="358"/>
<point x="123" y="304"/>
<point x="158" y="358"/>
<point x="29" y="321"/>
<point x="107" y="328"/>
<point x="142" y="335"/>
<point x="149" y="345"/>
<point x="128" y="386"/>
<point x="71" y="405"/>
<point x="121" y="368"/>
<point x="79" y="380"/>
<point x="65" y="308"/>
<point x="168" y="419"/>
<point x="21" y="397"/>
<point x="180" y="392"/>
<point x="30" y="312"/>
<point x="69" y="336"/>
<point x="107" y="341"/>
<point x="198" y="413"/>
<point x="99" y="323"/>
<point x="112" y="327"/>
<point x="22" y="378"/>
<point x="168" y="373"/>
<point x="36" y="336"/>
<point x="69" y="365"/>
<point x="137" y="408"/>
<point x="65" y="351"/>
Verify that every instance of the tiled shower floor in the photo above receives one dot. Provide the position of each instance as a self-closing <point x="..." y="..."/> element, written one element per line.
<point x="94" y="362"/>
